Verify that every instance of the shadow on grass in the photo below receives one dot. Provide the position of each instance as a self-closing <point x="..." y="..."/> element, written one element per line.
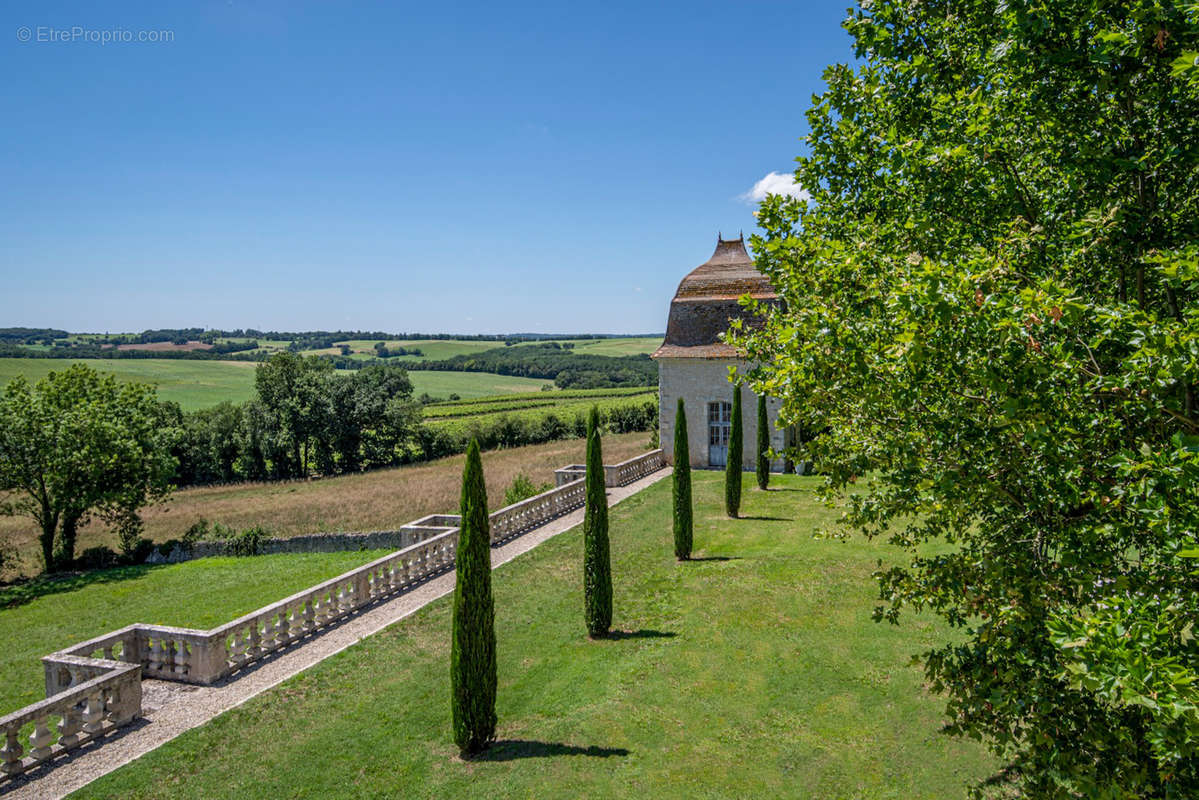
<point x="512" y="749"/>
<point x="641" y="634"/>
<point x="714" y="558"/>
<point x="18" y="594"/>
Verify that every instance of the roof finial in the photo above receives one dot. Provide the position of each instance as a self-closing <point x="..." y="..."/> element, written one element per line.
<point x="741" y="235"/>
<point x="719" y="238"/>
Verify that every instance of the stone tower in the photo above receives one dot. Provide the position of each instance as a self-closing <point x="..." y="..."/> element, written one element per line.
<point x="693" y="362"/>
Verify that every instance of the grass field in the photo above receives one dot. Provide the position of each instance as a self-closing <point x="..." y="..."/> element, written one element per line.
<point x="43" y="616"/>
<point x="199" y="384"/>
<point x="471" y="384"/>
<point x="378" y="500"/>
<point x="616" y="347"/>
<point x="459" y="417"/>
<point x="433" y="349"/>
<point x="191" y="384"/>
<point x="751" y="672"/>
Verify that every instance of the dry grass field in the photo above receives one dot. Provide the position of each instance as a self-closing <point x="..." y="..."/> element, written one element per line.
<point x="379" y="500"/>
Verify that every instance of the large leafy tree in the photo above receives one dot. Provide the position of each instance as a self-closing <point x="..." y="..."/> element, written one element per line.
<point x="991" y="318"/>
<point x="296" y="393"/>
<point x="79" y="444"/>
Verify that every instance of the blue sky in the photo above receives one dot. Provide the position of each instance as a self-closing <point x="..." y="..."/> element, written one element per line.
<point x="458" y="167"/>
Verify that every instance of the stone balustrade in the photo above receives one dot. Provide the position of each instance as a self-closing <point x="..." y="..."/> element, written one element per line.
<point x="634" y="468"/>
<point x="71" y="718"/>
<point x="95" y="686"/>
<point x="571" y="472"/>
<point x="537" y="510"/>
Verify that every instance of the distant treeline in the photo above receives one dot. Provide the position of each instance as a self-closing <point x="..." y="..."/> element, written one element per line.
<point x="566" y="367"/>
<point x="210" y="335"/>
<point x="221" y="351"/>
<point x="31" y="335"/>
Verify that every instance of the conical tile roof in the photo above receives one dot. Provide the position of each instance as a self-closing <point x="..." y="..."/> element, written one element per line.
<point x="706" y="301"/>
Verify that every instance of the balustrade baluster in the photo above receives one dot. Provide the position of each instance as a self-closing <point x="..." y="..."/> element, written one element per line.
<point x="155" y="655"/>
<point x="39" y="742"/>
<point x="247" y="639"/>
<point x="12" y="752"/>
<point x="182" y="662"/>
<point x="69" y="727"/>
<point x="93" y="714"/>
<point x="309" y="616"/>
<point x="168" y="656"/>
<point x="284" y="626"/>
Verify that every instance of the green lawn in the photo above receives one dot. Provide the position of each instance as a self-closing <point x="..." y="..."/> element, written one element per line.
<point x="47" y="615"/>
<point x="753" y="672"/>
<point x="191" y="384"/>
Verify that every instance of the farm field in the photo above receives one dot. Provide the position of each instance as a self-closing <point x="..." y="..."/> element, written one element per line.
<point x="379" y="500"/>
<point x="471" y="384"/>
<point x="616" y="347"/>
<point x="437" y="349"/>
<point x="46" y="615"/>
<point x="753" y="671"/>
<point x="191" y="384"/>
<point x="200" y="384"/>
<point x="432" y="349"/>
<point x="566" y="405"/>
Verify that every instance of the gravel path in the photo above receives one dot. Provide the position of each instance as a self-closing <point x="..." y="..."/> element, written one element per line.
<point x="169" y="709"/>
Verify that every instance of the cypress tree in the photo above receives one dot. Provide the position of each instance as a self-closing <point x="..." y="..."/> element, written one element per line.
<point x="472" y="654"/>
<point x="597" y="565"/>
<point x="682" y="487"/>
<point x="732" y="468"/>
<point x="763" y="445"/>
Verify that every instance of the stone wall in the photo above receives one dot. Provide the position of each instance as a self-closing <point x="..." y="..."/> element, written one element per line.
<point x="700" y="381"/>
<point x="308" y="543"/>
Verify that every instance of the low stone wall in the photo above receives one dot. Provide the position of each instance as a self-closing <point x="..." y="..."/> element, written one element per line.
<point x="308" y="543"/>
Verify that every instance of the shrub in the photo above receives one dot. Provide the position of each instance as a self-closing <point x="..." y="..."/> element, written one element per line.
<point x="597" y="565"/>
<point x="246" y="543"/>
<point x="681" y="486"/>
<point x="129" y="536"/>
<point x="140" y="552"/>
<point x="98" y="558"/>
<point x="472" y="653"/>
<point x="732" y="469"/>
<point x="522" y="488"/>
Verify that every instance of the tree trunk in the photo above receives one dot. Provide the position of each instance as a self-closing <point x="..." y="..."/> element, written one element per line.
<point x="66" y="551"/>
<point x="49" y="526"/>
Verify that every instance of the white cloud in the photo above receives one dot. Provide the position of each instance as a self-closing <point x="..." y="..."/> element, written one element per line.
<point x="776" y="183"/>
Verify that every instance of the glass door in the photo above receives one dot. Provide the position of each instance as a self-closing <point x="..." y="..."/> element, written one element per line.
<point x="720" y="416"/>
